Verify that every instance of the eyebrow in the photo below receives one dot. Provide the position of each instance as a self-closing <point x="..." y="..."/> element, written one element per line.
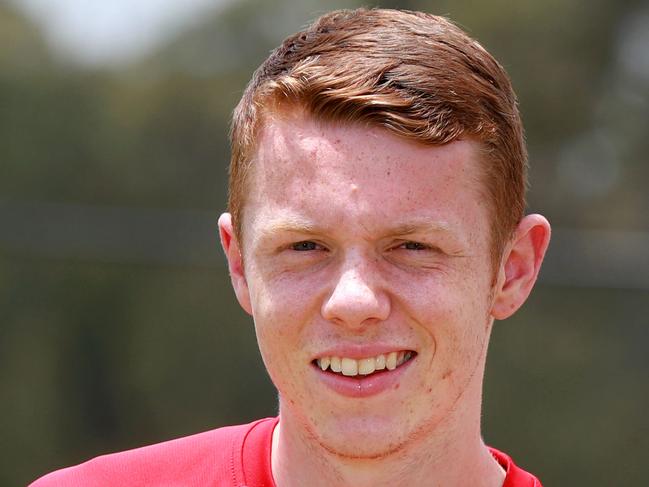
<point x="423" y="225"/>
<point x="291" y="224"/>
<point x="301" y="225"/>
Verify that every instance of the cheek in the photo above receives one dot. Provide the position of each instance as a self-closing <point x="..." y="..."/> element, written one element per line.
<point x="280" y="313"/>
<point x="276" y="346"/>
<point x="467" y="340"/>
<point x="286" y="299"/>
<point x="442" y="300"/>
<point x="455" y="314"/>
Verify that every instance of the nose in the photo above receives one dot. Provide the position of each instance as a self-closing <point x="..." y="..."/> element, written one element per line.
<point x="357" y="298"/>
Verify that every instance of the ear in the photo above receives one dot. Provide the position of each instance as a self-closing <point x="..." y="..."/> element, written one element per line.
<point x="520" y="265"/>
<point x="235" y="261"/>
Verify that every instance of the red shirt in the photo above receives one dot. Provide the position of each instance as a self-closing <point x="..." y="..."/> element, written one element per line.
<point x="234" y="456"/>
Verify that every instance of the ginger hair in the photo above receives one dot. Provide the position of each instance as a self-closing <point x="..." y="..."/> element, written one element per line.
<point x="417" y="75"/>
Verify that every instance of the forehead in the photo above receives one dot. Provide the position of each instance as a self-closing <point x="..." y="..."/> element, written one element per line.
<point x="329" y="170"/>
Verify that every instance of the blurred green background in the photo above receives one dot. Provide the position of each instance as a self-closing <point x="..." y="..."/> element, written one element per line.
<point x="118" y="326"/>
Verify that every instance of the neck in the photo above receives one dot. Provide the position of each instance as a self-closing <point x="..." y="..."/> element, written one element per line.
<point x="453" y="455"/>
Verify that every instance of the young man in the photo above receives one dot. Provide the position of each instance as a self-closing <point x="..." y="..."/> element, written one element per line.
<point x="376" y="230"/>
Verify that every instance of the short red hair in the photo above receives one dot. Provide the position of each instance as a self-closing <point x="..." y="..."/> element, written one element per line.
<point x="417" y="75"/>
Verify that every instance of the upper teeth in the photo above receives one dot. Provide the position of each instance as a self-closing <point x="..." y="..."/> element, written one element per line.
<point x="364" y="366"/>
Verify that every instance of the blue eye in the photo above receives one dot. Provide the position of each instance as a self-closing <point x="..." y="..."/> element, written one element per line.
<point x="306" y="245"/>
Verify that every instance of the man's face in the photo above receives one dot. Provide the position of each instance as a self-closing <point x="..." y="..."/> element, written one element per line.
<point x="359" y="246"/>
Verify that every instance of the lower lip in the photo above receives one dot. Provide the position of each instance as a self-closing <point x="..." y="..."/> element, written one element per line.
<point x="364" y="385"/>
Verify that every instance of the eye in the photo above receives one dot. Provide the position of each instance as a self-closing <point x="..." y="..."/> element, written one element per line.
<point x="305" y="246"/>
<point x="414" y="246"/>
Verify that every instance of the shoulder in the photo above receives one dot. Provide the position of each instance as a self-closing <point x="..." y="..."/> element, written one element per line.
<point x="200" y="459"/>
<point x="516" y="476"/>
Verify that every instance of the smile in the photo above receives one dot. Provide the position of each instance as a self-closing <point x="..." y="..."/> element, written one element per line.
<point x="351" y="367"/>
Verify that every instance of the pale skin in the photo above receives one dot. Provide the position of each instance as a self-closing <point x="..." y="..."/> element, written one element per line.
<point x="356" y="242"/>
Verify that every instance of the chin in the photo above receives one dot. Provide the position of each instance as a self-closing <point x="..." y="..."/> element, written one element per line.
<point x="363" y="438"/>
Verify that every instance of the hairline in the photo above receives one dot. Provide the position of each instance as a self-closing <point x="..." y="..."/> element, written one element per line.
<point x="278" y="108"/>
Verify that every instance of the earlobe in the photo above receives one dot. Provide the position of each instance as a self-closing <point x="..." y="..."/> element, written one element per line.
<point x="520" y="265"/>
<point x="233" y="255"/>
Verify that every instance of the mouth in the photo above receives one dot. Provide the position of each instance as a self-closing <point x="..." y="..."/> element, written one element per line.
<point x="351" y="367"/>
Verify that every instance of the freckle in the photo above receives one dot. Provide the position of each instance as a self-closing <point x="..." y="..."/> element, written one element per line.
<point x="396" y="386"/>
<point x="447" y="374"/>
<point x="430" y="389"/>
